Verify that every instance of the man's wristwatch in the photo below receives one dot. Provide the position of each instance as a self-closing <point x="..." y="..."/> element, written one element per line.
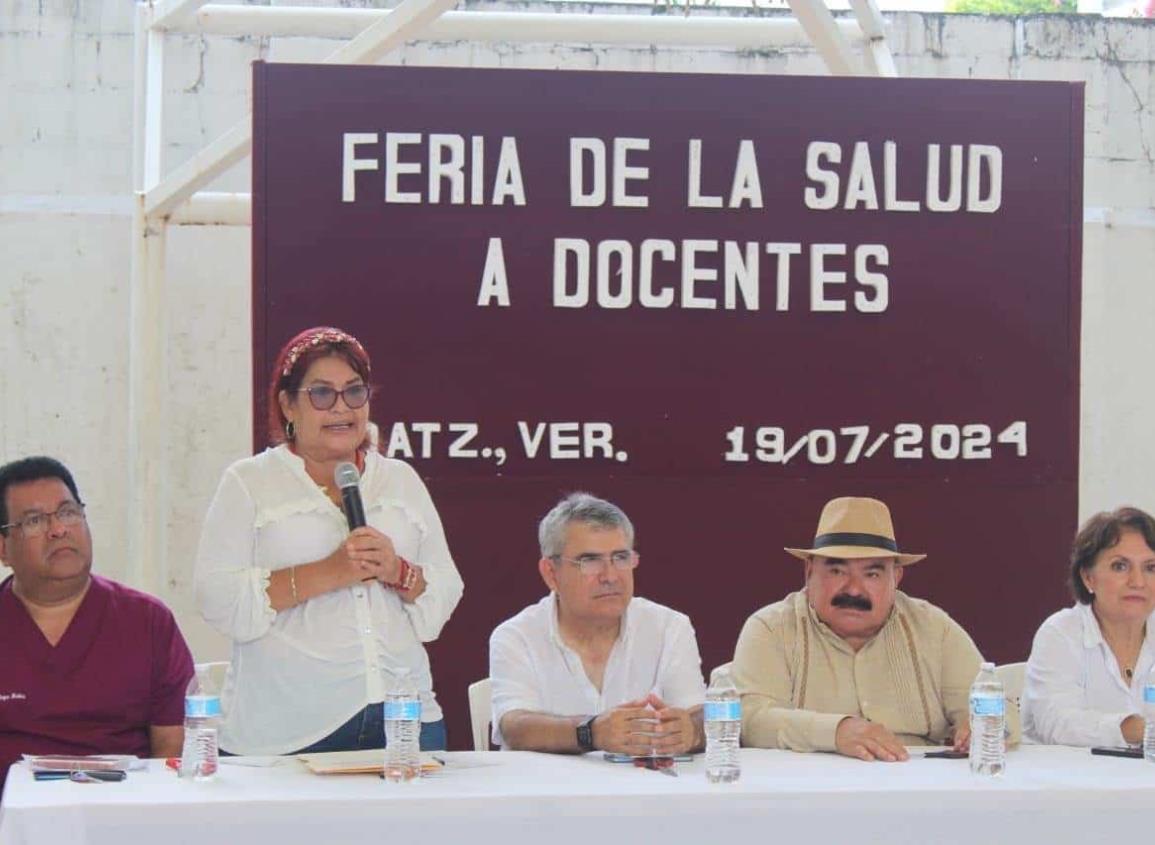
<point x="585" y="734"/>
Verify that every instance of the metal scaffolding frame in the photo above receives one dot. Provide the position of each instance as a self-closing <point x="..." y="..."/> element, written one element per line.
<point x="178" y="197"/>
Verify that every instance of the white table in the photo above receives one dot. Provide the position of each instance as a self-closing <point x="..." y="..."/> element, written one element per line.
<point x="1048" y="794"/>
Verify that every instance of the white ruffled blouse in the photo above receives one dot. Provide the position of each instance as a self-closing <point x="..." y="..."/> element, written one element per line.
<point x="300" y="673"/>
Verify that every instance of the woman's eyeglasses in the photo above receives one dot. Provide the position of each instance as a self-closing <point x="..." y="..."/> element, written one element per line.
<point x="322" y="397"/>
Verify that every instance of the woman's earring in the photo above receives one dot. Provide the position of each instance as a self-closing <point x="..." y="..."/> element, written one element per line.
<point x="290" y="430"/>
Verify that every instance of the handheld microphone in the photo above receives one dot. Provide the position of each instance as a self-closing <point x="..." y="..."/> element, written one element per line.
<point x="349" y="480"/>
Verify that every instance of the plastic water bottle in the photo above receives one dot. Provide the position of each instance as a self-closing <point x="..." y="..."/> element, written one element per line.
<point x="202" y="718"/>
<point x="1149" y="717"/>
<point x="988" y="750"/>
<point x="402" y="730"/>
<point x="722" y="717"/>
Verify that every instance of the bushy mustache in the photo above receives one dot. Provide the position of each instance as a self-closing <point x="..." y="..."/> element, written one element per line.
<point x="852" y="602"/>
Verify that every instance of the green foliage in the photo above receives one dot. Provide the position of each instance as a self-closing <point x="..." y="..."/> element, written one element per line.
<point x="1012" y="7"/>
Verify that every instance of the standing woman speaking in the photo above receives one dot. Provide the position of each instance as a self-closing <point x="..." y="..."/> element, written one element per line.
<point x="322" y="618"/>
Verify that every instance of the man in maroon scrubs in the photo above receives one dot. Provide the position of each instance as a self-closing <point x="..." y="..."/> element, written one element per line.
<point x="87" y="666"/>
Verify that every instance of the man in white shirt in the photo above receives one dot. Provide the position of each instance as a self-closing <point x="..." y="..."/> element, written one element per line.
<point x="591" y="667"/>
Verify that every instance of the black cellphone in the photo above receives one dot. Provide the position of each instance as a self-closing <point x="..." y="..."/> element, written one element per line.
<point x="1133" y="751"/>
<point x="109" y="775"/>
<point x="629" y="758"/>
<point x="66" y="774"/>
<point x="948" y="754"/>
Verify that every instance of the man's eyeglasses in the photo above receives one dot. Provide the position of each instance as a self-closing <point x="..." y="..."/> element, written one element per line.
<point x="595" y="564"/>
<point x="33" y="525"/>
<point x="322" y="397"/>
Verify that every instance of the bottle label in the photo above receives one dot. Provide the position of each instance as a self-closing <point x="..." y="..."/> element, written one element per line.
<point x="1149" y="694"/>
<point x="988" y="705"/>
<point x="202" y="706"/>
<point x="402" y="710"/>
<point x="722" y="711"/>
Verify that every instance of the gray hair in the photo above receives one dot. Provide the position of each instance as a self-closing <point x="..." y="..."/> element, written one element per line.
<point x="580" y="507"/>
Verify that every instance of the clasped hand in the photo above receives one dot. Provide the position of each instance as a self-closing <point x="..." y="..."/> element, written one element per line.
<point x="370" y="554"/>
<point x="646" y="727"/>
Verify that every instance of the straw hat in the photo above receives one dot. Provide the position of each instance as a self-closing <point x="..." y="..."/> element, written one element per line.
<point x="855" y="527"/>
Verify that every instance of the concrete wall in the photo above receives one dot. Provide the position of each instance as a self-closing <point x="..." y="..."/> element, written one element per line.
<point x="66" y="179"/>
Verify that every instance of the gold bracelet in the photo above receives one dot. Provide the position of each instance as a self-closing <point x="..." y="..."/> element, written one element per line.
<point x="293" y="584"/>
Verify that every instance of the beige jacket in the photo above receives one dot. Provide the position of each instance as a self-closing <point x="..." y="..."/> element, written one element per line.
<point x="798" y="679"/>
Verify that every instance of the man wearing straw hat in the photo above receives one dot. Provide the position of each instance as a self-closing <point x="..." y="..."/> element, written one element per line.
<point x="849" y="663"/>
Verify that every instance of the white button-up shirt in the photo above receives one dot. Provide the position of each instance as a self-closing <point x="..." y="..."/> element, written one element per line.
<point x="531" y="668"/>
<point x="1074" y="693"/>
<point x="299" y="674"/>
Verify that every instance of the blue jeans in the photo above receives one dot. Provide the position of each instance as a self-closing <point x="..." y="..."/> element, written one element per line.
<point x="367" y="730"/>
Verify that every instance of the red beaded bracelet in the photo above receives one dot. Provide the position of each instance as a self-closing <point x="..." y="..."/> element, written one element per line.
<point x="407" y="576"/>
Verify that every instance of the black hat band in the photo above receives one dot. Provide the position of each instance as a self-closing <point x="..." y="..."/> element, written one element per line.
<point x="851" y="538"/>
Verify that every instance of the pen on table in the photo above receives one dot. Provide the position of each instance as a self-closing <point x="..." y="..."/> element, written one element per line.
<point x="80" y="775"/>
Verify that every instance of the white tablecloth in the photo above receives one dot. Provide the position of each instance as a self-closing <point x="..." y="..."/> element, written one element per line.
<point x="1048" y="795"/>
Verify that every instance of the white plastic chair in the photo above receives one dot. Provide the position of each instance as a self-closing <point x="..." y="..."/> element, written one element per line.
<point x="718" y="671"/>
<point x="480" y="713"/>
<point x="1013" y="676"/>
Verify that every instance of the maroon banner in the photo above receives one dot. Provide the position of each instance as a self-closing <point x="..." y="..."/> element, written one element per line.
<point x="716" y="300"/>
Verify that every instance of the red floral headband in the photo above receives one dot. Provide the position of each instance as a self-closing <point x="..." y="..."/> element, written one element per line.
<point x="316" y="339"/>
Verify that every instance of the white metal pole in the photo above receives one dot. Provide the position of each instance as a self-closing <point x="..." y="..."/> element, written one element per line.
<point x="169" y="14"/>
<point x="878" y="58"/>
<point x="198" y="171"/>
<point x="401" y="25"/>
<point x="153" y="107"/>
<point x="824" y="32"/>
<point x="147" y="513"/>
<point x="214" y="208"/>
<point x="139" y="75"/>
<point x="147" y="421"/>
<point x="515" y="27"/>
